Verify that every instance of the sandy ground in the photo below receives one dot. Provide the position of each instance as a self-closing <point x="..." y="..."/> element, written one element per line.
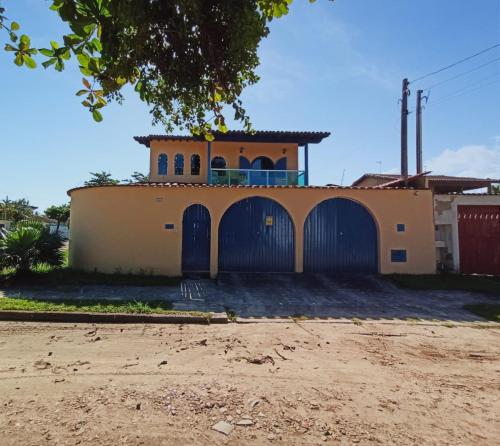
<point x="272" y="383"/>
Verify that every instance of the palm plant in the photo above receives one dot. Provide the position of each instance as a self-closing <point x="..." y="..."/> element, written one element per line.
<point x="30" y="243"/>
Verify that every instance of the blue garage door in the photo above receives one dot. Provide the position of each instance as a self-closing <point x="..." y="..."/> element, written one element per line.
<point x="256" y="235"/>
<point x="196" y="239"/>
<point x="340" y="236"/>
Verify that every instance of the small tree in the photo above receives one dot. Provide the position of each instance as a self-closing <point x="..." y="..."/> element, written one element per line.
<point x="101" y="179"/>
<point x="58" y="213"/>
<point x="137" y="177"/>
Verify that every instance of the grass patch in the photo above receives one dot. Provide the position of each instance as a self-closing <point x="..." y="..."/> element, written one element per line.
<point x="490" y="312"/>
<point x="480" y="284"/>
<point x="45" y="275"/>
<point x="92" y="306"/>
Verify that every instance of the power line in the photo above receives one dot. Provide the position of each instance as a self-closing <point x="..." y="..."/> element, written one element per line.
<point x="466" y="90"/>
<point x="455" y="63"/>
<point x="462" y="74"/>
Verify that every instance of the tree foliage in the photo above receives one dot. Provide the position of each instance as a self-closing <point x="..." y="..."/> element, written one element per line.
<point x="59" y="213"/>
<point x="16" y="210"/>
<point x="187" y="59"/>
<point x="101" y="179"/>
<point x="137" y="177"/>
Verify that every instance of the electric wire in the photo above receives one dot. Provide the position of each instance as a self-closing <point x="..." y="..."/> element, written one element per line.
<point x="467" y="90"/>
<point x="462" y="74"/>
<point x="455" y="63"/>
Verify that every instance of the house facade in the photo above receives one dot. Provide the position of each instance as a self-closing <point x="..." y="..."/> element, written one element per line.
<point x="242" y="203"/>
<point x="467" y="223"/>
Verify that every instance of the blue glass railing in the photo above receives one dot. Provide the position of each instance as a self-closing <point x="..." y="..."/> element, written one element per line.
<point x="251" y="177"/>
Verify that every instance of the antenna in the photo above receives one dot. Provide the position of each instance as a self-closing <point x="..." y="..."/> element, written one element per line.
<point x="342" y="180"/>
<point x="379" y="166"/>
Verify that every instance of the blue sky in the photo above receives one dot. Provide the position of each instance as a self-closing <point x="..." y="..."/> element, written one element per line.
<point x="334" y="66"/>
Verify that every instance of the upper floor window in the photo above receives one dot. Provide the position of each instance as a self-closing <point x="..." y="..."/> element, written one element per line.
<point x="262" y="163"/>
<point x="218" y="163"/>
<point x="179" y="164"/>
<point x="195" y="164"/>
<point x="162" y="164"/>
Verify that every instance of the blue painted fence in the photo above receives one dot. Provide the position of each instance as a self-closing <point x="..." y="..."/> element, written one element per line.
<point x="256" y="235"/>
<point x="340" y="236"/>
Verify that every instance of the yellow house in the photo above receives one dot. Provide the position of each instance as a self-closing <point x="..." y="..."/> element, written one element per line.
<point x="250" y="209"/>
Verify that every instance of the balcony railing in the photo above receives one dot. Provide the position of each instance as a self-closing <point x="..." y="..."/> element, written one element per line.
<point x="251" y="177"/>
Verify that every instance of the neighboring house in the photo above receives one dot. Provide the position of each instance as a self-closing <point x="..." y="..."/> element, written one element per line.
<point x="242" y="203"/>
<point x="4" y="224"/>
<point x="467" y="225"/>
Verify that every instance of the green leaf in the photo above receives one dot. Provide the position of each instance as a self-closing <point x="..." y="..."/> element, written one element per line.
<point x="25" y="42"/>
<point x="9" y="47"/>
<point x="96" y="114"/>
<point x="86" y="103"/>
<point x="47" y="52"/>
<point x="81" y="92"/>
<point x="72" y="39"/>
<point x="13" y="37"/>
<point x="83" y="59"/>
<point x="19" y="59"/>
<point x="138" y="87"/>
<point x="49" y="62"/>
<point x="96" y="43"/>
<point x="65" y="55"/>
<point x="14" y="26"/>
<point x="54" y="44"/>
<point x="85" y="71"/>
<point x="222" y="128"/>
<point x="59" y="65"/>
<point x="209" y="136"/>
<point x="29" y="62"/>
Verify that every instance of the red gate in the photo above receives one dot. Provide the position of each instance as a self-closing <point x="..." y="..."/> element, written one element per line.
<point x="479" y="239"/>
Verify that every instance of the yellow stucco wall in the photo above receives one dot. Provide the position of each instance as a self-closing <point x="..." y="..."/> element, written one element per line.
<point x="121" y="228"/>
<point x="230" y="151"/>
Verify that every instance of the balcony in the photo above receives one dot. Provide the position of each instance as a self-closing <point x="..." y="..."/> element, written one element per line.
<point x="251" y="177"/>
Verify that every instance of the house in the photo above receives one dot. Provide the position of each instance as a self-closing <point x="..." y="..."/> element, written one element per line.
<point x="242" y="203"/>
<point x="467" y="225"/>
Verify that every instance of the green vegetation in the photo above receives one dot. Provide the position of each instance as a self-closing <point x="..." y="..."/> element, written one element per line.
<point x="480" y="284"/>
<point x="189" y="60"/>
<point x="16" y="210"/>
<point x="101" y="179"/>
<point x="487" y="311"/>
<point x="58" y="213"/>
<point x="30" y="243"/>
<point x="92" y="306"/>
<point x="46" y="275"/>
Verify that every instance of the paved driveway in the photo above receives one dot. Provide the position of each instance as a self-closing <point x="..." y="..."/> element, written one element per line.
<point x="283" y="295"/>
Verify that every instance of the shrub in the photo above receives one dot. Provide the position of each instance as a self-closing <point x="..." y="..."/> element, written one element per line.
<point x="28" y="244"/>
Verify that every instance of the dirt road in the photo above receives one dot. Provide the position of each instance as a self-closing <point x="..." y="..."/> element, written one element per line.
<point x="271" y="383"/>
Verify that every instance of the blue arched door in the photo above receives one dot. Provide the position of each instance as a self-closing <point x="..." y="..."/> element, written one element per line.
<point x="256" y="235"/>
<point x="340" y="236"/>
<point x="196" y="239"/>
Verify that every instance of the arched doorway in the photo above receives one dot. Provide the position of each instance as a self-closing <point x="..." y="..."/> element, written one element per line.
<point x="340" y="236"/>
<point x="256" y="235"/>
<point x="196" y="239"/>
<point x="262" y="176"/>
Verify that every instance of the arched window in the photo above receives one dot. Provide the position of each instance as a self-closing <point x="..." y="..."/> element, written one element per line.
<point x="179" y="164"/>
<point x="218" y="163"/>
<point x="195" y="164"/>
<point x="162" y="164"/>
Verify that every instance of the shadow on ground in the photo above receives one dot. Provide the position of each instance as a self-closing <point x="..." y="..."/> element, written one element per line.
<point x="285" y="295"/>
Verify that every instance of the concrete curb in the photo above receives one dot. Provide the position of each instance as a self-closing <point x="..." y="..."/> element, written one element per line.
<point x="111" y="318"/>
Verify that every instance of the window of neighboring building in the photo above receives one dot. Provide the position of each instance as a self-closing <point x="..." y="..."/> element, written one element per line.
<point x="195" y="164"/>
<point x="162" y="164"/>
<point x="401" y="227"/>
<point x="179" y="164"/>
<point x="398" y="255"/>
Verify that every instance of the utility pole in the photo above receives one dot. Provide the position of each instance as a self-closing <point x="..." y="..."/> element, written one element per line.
<point x="404" y="128"/>
<point x="419" y="131"/>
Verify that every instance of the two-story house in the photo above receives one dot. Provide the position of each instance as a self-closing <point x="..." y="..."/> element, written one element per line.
<point x="242" y="203"/>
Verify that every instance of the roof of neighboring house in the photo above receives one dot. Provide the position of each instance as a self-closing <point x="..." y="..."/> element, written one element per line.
<point x="438" y="181"/>
<point x="300" y="138"/>
<point x="204" y="185"/>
